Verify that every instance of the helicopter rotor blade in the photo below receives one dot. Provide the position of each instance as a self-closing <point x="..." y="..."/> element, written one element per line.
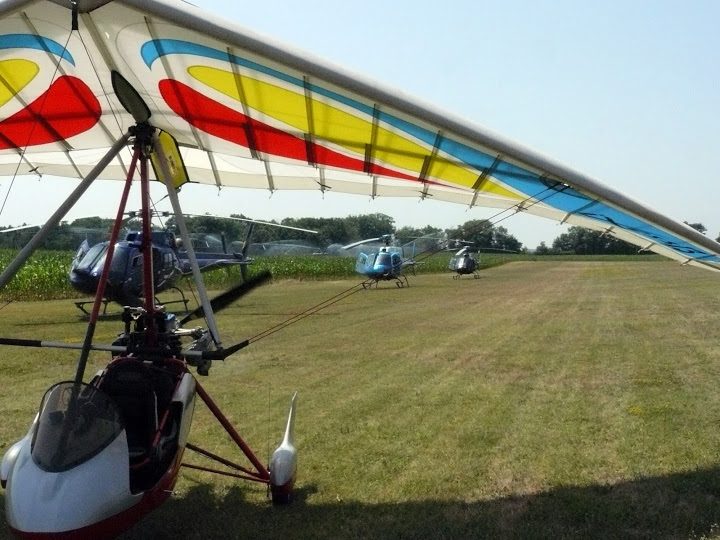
<point x="255" y="221"/>
<point x="228" y="297"/>
<point x="384" y="237"/>
<point x="21" y="227"/>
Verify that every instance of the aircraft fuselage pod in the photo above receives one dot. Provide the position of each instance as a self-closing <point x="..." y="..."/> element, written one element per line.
<point x="99" y="456"/>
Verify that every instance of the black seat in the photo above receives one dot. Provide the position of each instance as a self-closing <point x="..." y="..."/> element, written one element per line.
<point x="130" y="385"/>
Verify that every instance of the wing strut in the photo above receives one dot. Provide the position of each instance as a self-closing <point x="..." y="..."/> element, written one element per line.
<point x="180" y="221"/>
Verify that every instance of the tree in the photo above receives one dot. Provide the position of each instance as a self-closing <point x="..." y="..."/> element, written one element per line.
<point x="406" y="234"/>
<point x="697" y="226"/>
<point x="483" y="234"/>
<point x="502" y="239"/>
<point x="583" y="241"/>
<point x="371" y="225"/>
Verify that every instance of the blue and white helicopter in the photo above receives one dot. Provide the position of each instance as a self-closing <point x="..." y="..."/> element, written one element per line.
<point x="390" y="262"/>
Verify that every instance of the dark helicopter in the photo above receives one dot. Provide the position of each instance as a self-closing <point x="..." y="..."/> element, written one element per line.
<point x="463" y="263"/>
<point x="170" y="262"/>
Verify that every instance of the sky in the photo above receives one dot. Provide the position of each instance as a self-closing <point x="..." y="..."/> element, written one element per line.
<point x="624" y="91"/>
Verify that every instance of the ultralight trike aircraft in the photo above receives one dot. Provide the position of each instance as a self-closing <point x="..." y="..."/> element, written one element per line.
<point x="97" y="88"/>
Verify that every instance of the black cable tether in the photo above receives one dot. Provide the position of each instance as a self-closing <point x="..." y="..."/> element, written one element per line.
<point x="357" y="287"/>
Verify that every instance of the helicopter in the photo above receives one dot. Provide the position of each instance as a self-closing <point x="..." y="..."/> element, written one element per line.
<point x="100" y="455"/>
<point x="463" y="263"/>
<point x="385" y="264"/>
<point x="170" y="264"/>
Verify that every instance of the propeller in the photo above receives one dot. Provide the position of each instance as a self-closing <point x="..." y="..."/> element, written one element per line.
<point x="129" y="98"/>
<point x="228" y="297"/>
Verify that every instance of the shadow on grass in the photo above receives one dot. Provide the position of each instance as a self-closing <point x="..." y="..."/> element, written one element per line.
<point x="682" y="505"/>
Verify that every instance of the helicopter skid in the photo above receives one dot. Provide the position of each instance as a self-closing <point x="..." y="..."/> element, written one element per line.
<point x="82" y="306"/>
<point x="475" y="275"/>
<point x="400" y="282"/>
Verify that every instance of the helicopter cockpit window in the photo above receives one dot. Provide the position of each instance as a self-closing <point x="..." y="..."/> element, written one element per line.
<point x="160" y="238"/>
<point x="383" y="259"/>
<point x="120" y="259"/>
<point x="76" y="422"/>
<point x="92" y="257"/>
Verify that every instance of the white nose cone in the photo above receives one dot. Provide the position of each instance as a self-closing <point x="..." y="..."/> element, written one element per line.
<point x="283" y="465"/>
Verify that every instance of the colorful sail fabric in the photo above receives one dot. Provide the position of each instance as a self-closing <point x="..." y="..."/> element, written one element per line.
<point x="249" y="113"/>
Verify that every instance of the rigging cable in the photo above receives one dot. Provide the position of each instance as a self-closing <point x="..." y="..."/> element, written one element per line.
<point x="357" y="287"/>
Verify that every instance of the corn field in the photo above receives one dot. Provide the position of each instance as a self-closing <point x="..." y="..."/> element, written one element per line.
<point x="45" y="275"/>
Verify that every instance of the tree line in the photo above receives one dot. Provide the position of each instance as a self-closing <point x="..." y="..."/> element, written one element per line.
<point x="480" y="232"/>
<point x="581" y="241"/>
<point x="69" y="235"/>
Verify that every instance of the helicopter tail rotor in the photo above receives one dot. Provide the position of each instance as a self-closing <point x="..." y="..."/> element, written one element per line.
<point x="283" y="464"/>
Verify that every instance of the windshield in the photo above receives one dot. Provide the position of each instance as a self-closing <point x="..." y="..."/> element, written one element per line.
<point x="92" y="257"/>
<point x="75" y="423"/>
<point x="383" y="259"/>
<point x="120" y="259"/>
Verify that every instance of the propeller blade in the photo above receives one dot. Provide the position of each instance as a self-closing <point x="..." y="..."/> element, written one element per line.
<point x="228" y="297"/>
<point x="129" y="98"/>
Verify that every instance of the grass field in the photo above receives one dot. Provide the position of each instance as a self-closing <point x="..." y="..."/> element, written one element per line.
<point x="546" y="400"/>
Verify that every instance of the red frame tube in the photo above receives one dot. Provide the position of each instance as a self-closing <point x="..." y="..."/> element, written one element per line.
<point x="102" y="282"/>
<point x="94" y="314"/>
<point x="225" y="473"/>
<point x="226" y="462"/>
<point x="262" y="470"/>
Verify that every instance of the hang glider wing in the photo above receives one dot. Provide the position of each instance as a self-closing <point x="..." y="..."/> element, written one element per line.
<point x="249" y="113"/>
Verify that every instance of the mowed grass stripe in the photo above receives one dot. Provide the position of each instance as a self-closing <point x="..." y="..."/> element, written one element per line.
<point x="546" y="400"/>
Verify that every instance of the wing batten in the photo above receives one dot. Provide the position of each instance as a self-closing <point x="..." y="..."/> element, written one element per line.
<point x="323" y="184"/>
<point x="310" y="135"/>
<point x="269" y="176"/>
<point x="250" y="133"/>
<point x="74" y="166"/>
